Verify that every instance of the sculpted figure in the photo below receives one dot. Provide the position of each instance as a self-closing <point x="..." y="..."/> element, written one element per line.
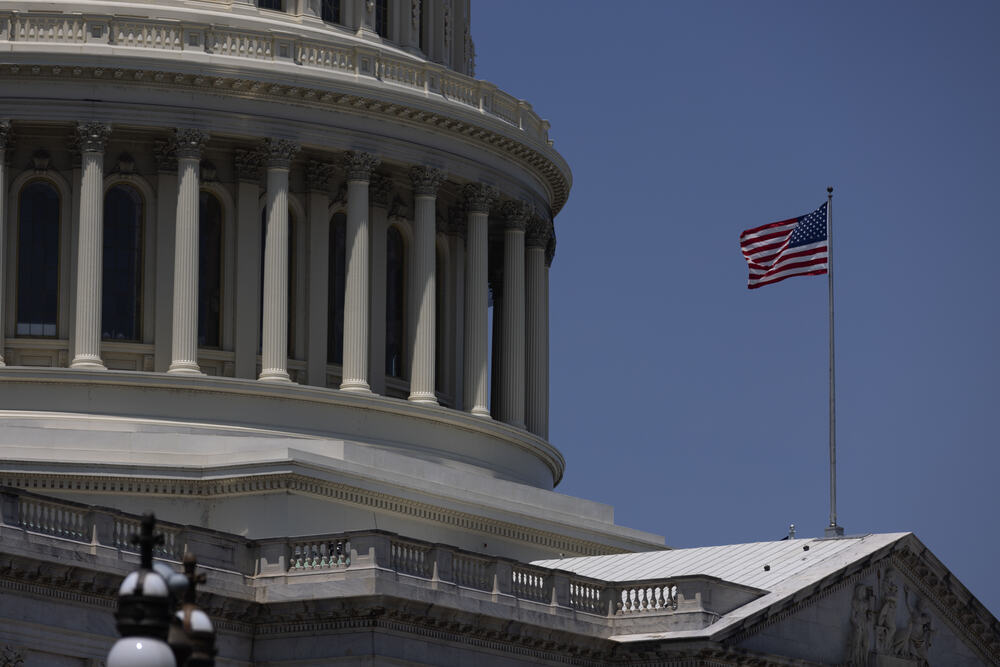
<point x="861" y="620"/>
<point x="912" y="640"/>
<point x="885" y="625"/>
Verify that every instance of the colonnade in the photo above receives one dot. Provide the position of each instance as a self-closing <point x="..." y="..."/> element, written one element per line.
<point x="521" y="376"/>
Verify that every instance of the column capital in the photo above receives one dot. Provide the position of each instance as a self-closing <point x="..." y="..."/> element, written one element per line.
<point x="426" y="180"/>
<point x="360" y="165"/>
<point x="550" y="248"/>
<point x="516" y="214"/>
<point x="479" y="197"/>
<point x="537" y="232"/>
<point x="165" y="153"/>
<point x="380" y="190"/>
<point x="189" y="142"/>
<point x="318" y="175"/>
<point x="92" y="136"/>
<point x="280" y="152"/>
<point x="6" y="136"/>
<point x="248" y="163"/>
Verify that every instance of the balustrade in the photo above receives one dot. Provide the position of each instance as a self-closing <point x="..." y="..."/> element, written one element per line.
<point x="329" y="553"/>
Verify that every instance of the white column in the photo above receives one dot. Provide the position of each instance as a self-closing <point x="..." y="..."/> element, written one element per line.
<point x="379" y="192"/>
<point x="4" y="138"/>
<point x="89" y="268"/>
<point x="456" y="242"/>
<point x="478" y="199"/>
<point x="166" y="214"/>
<point x="512" y="353"/>
<point x="318" y="202"/>
<point x="536" y="358"/>
<point x="184" y="348"/>
<point x="359" y="168"/>
<point x="425" y="184"/>
<point x="274" y="332"/>
<point x="249" y="162"/>
<point x="550" y="251"/>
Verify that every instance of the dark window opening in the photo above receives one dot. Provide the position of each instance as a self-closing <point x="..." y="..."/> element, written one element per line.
<point x="337" y="289"/>
<point x="121" y="281"/>
<point x="331" y="11"/>
<point x="394" y="304"/>
<point x="278" y="5"/>
<point x="291" y="280"/>
<point x="382" y="17"/>
<point x="209" y="270"/>
<point x="38" y="260"/>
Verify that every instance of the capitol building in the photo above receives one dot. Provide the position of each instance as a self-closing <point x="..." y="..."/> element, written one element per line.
<point x="277" y="271"/>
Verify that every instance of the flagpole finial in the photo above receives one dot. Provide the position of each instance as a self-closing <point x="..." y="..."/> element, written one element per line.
<point x="829" y="189"/>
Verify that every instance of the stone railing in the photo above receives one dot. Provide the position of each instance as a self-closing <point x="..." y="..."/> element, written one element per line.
<point x="309" y="51"/>
<point x="368" y="553"/>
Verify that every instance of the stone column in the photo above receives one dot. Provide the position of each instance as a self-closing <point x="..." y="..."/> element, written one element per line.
<point x="378" y="223"/>
<point x="550" y="251"/>
<point x="425" y="184"/>
<point x="89" y="268"/>
<point x="166" y="214"/>
<point x="478" y="198"/>
<point x="249" y="163"/>
<point x="274" y="332"/>
<point x="359" y="170"/>
<point x="318" y="203"/>
<point x="536" y="297"/>
<point x="184" y="348"/>
<point x="496" y="333"/>
<point x="512" y="353"/>
<point x="5" y="138"/>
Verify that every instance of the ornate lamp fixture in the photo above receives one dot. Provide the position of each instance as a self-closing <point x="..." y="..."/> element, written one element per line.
<point x="148" y="613"/>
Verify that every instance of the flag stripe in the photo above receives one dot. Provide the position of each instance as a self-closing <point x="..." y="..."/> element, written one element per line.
<point x="779" y="250"/>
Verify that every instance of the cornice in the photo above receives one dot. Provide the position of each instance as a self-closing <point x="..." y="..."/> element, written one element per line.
<point x="549" y="168"/>
<point x="298" y="483"/>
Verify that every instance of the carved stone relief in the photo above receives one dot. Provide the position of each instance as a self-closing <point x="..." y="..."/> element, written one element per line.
<point x="896" y="642"/>
<point x="11" y="657"/>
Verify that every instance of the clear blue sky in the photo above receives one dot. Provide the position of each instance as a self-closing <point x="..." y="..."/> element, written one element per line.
<point x="698" y="408"/>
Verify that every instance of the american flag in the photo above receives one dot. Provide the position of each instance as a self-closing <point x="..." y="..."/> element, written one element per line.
<point x="780" y="250"/>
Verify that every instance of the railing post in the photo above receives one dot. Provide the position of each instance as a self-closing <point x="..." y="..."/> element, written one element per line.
<point x="102" y="526"/>
<point x="503" y="578"/>
<point x="273" y="557"/>
<point x="559" y="585"/>
<point x="610" y="597"/>
<point x="372" y="550"/>
<point x="443" y="560"/>
<point x="9" y="508"/>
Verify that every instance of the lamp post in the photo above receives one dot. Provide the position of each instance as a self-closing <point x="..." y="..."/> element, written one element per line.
<point x="157" y="631"/>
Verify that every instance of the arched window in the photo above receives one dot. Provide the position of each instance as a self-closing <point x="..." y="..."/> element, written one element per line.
<point x="331" y="11"/>
<point x="209" y="270"/>
<point x="337" y="286"/>
<point x="395" y="340"/>
<point x="291" y="278"/>
<point x="37" y="260"/>
<point x="121" y="283"/>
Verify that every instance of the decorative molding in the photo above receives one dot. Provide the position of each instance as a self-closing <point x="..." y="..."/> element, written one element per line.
<point x="208" y="172"/>
<point x="516" y="214"/>
<point x="537" y="235"/>
<point x="40" y="161"/>
<point x="380" y="190"/>
<point x="426" y="180"/>
<point x="550" y="249"/>
<point x="126" y="165"/>
<point x="6" y="136"/>
<point x="479" y="197"/>
<point x="165" y="153"/>
<point x="189" y="142"/>
<point x="359" y="165"/>
<point x="456" y="222"/>
<point x="11" y="657"/>
<point x="537" y="159"/>
<point x="293" y="482"/>
<point x="280" y="152"/>
<point x="249" y="163"/>
<point x="318" y="175"/>
<point x="92" y="136"/>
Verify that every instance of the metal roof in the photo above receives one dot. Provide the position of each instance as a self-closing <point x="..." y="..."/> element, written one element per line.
<point x="739" y="563"/>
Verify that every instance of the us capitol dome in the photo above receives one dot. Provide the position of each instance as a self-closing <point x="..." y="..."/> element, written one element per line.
<point x="278" y="272"/>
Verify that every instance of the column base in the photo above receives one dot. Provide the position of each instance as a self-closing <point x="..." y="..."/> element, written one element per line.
<point x="274" y="375"/>
<point x="355" y="386"/>
<point x="480" y="412"/>
<point x="423" y="397"/>
<point x="88" y="362"/>
<point x="184" y="368"/>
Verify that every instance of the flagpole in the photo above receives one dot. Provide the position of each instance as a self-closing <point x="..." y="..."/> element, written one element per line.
<point x="833" y="530"/>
